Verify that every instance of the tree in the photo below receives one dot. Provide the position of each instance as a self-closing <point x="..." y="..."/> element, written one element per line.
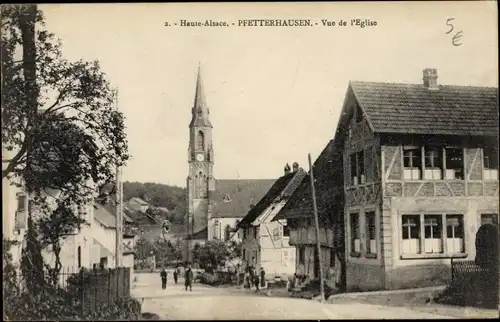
<point x="143" y="249"/>
<point x="73" y="133"/>
<point x="52" y="230"/>
<point x="161" y="195"/>
<point x="59" y="122"/>
<point x="212" y="253"/>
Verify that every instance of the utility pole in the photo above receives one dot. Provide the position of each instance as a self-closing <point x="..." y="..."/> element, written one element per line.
<point x="119" y="218"/>
<point x="119" y="210"/>
<point x="316" y="222"/>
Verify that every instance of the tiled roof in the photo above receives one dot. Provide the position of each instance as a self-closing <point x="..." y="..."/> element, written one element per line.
<point x="328" y="187"/>
<point x="199" y="235"/>
<point x="282" y="188"/>
<point x="241" y="192"/>
<point x="414" y="109"/>
<point x="139" y="201"/>
<point x="106" y="216"/>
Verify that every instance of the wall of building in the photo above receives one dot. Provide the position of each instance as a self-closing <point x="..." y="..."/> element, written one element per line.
<point x="470" y="197"/>
<point x="364" y="270"/>
<point x="219" y="227"/>
<point x="407" y="272"/>
<point x="277" y="256"/>
<point x="250" y="247"/>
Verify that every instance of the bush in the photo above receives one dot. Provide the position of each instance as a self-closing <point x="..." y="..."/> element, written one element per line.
<point x="56" y="306"/>
<point x="208" y="279"/>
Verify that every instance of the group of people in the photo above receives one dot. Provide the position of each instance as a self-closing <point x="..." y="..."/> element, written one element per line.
<point x="188" y="276"/>
<point x="251" y="278"/>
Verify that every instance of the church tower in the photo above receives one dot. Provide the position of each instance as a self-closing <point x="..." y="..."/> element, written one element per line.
<point x="200" y="182"/>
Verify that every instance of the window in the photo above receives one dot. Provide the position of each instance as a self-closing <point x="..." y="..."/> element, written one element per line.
<point x="455" y="233"/>
<point x="227" y="233"/>
<point x="255" y="232"/>
<point x="433" y="234"/>
<point x="332" y="257"/>
<point x="454" y="163"/>
<point x="286" y="231"/>
<point x="412" y="161"/>
<point x="411" y="234"/>
<point x="489" y="219"/>
<point x="200" y="141"/>
<point x="357" y="168"/>
<point x="21" y="202"/>
<point x="79" y="254"/>
<point x="245" y="234"/>
<point x="355" y="234"/>
<point x="359" y="114"/>
<point x="302" y="255"/>
<point x="354" y="169"/>
<point x="442" y="234"/>
<point x="216" y="229"/>
<point x="371" y="239"/>
<point x="490" y="162"/>
<point x="244" y="254"/>
<point x="433" y="163"/>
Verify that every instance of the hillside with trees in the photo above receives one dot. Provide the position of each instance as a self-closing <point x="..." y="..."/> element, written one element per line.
<point x="159" y="195"/>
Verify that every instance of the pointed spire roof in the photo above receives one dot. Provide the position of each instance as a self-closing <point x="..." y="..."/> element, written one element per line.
<point x="200" y="110"/>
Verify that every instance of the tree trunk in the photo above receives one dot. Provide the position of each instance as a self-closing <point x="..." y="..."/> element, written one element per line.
<point x="56" y="248"/>
<point x="27" y="27"/>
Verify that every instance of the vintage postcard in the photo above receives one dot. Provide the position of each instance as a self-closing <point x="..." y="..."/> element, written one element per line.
<point x="230" y="161"/>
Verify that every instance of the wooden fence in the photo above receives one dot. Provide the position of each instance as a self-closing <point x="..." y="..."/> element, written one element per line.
<point x="94" y="288"/>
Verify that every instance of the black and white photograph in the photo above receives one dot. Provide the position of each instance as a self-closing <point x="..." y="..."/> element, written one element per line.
<point x="250" y="161"/>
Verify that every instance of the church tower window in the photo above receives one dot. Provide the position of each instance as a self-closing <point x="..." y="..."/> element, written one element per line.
<point x="200" y="141"/>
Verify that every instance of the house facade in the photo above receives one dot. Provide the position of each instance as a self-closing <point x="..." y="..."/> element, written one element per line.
<point x="420" y="165"/>
<point x="137" y="204"/>
<point x="91" y="246"/>
<point x="299" y="213"/>
<point x="265" y="242"/>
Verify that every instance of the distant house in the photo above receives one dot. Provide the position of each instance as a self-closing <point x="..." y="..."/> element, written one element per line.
<point x="93" y="245"/>
<point x="137" y="204"/>
<point x="299" y="213"/>
<point x="420" y="165"/>
<point x="266" y="242"/>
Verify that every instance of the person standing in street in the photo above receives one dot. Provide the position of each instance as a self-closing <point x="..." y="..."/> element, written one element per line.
<point x="262" y="277"/>
<point x="255" y="279"/>
<point x="188" y="278"/>
<point x="163" y="276"/>
<point x="176" y="274"/>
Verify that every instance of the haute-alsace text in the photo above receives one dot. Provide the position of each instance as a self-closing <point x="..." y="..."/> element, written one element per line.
<point x="206" y="23"/>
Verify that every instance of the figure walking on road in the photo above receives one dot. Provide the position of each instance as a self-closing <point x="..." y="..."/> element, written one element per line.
<point x="163" y="276"/>
<point x="188" y="278"/>
<point x="255" y="279"/>
<point x="262" y="277"/>
<point x="176" y="274"/>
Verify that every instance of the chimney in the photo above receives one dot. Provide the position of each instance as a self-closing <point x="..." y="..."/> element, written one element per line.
<point x="287" y="169"/>
<point x="295" y="167"/>
<point x="430" y="78"/>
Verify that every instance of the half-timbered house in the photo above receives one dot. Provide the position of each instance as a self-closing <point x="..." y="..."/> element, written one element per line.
<point x="420" y="177"/>
<point x="266" y="242"/>
<point x="299" y="213"/>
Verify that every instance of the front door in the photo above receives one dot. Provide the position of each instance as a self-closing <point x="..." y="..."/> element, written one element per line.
<point x="316" y="263"/>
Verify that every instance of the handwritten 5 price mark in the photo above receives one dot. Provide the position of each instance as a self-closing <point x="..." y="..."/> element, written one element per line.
<point x="457" y="36"/>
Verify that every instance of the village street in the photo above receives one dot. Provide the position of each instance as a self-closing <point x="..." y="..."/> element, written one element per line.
<point x="206" y="302"/>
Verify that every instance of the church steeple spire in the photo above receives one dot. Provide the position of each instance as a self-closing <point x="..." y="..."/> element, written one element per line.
<point x="200" y="110"/>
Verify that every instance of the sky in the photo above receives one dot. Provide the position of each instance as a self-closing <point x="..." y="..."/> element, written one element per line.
<point x="274" y="93"/>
